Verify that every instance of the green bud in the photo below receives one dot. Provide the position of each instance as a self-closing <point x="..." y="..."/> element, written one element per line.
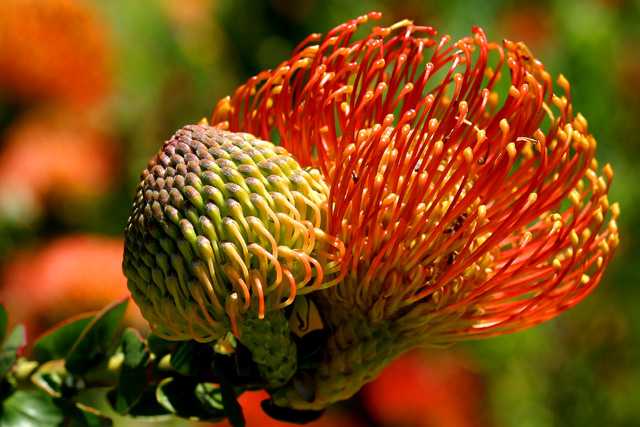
<point x="221" y="239"/>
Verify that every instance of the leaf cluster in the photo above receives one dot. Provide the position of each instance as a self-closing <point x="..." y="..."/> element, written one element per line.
<point x="144" y="377"/>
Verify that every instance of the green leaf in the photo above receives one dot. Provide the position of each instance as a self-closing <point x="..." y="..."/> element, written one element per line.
<point x="49" y="379"/>
<point x="26" y="409"/>
<point x="290" y="415"/>
<point x="223" y="366"/>
<point x="210" y="398"/>
<point x="82" y="414"/>
<point x="52" y="378"/>
<point x="93" y="343"/>
<point x="179" y="397"/>
<point x="11" y="349"/>
<point x="146" y="407"/>
<point x="192" y="358"/>
<point x="7" y="387"/>
<point x="134" y="375"/>
<point x="4" y="320"/>
<point x="159" y="346"/>
<point x="58" y="341"/>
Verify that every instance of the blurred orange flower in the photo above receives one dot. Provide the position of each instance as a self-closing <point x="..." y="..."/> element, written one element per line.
<point x="54" y="49"/>
<point x="48" y="156"/>
<point x="71" y="275"/>
<point x="531" y="24"/>
<point x="427" y="389"/>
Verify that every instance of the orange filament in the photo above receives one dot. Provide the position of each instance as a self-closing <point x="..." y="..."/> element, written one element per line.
<point x="445" y="197"/>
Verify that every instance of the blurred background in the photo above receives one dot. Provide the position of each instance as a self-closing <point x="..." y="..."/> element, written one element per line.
<point x="90" y="89"/>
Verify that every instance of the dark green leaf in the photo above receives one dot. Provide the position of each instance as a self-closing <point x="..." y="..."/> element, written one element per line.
<point x="223" y="366"/>
<point x="147" y="405"/>
<point x="159" y="346"/>
<point x="50" y="382"/>
<point x="26" y="409"/>
<point x="210" y="398"/>
<point x="192" y="358"/>
<point x="82" y="414"/>
<point x="93" y="343"/>
<point x="57" y="341"/>
<point x="52" y="378"/>
<point x="134" y="375"/>
<point x="4" y="321"/>
<point x="289" y="415"/>
<point x="178" y="396"/>
<point x="11" y="349"/>
<point x="7" y="387"/>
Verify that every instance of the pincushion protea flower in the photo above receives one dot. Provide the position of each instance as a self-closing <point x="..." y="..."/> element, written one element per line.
<point x="441" y="209"/>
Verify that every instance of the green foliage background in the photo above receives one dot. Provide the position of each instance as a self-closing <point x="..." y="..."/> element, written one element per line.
<point x="581" y="369"/>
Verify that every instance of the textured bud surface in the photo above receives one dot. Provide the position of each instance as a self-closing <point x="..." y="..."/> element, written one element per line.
<point x="271" y="347"/>
<point x="223" y="222"/>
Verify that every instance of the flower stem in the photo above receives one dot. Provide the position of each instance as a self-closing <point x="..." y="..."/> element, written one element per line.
<point x="356" y="351"/>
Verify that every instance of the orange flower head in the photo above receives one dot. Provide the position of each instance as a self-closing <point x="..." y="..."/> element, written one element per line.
<point x="70" y="275"/>
<point x="54" y="49"/>
<point x="428" y="389"/>
<point x="50" y="155"/>
<point x="470" y="211"/>
<point x="459" y="200"/>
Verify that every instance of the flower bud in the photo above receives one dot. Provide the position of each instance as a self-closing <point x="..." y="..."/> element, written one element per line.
<point x="226" y="229"/>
